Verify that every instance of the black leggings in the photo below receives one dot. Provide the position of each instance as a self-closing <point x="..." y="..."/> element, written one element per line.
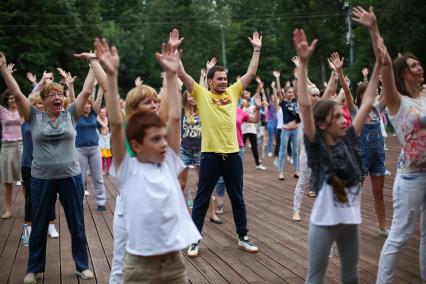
<point x="253" y="142"/>
<point x="26" y="180"/>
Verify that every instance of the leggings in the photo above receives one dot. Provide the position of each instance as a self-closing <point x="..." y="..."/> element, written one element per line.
<point x="321" y="239"/>
<point x="253" y="142"/>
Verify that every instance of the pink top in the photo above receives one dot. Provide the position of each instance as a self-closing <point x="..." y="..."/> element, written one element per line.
<point x="10" y="124"/>
<point x="242" y="116"/>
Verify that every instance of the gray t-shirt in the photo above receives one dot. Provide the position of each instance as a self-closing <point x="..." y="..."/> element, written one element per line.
<point x="54" y="153"/>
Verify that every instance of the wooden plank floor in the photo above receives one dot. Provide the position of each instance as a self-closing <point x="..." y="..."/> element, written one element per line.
<point x="281" y="241"/>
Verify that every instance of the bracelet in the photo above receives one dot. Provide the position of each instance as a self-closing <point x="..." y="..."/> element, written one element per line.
<point x="256" y="50"/>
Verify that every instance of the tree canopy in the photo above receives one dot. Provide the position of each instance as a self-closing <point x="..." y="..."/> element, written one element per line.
<point x="45" y="34"/>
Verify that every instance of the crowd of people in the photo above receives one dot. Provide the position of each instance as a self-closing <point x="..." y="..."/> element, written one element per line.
<point x="52" y="139"/>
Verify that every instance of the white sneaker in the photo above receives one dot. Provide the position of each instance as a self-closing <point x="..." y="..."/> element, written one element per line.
<point x="52" y="231"/>
<point x="193" y="250"/>
<point x="387" y="173"/>
<point x="245" y="244"/>
<point x="260" y="167"/>
<point x="86" y="274"/>
<point x="269" y="154"/>
<point x="86" y="193"/>
<point x="18" y="183"/>
<point x="30" y="278"/>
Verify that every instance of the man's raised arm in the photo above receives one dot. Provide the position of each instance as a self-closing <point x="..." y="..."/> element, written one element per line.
<point x="256" y="42"/>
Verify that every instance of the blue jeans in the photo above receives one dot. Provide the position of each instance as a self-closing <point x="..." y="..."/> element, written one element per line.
<point x="220" y="186"/>
<point x="321" y="239"/>
<point x="409" y="201"/>
<point x="229" y="166"/>
<point x="286" y="135"/>
<point x="272" y="127"/>
<point x="371" y="150"/>
<point x="43" y="197"/>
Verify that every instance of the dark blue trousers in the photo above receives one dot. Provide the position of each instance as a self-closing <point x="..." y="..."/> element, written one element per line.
<point x="43" y="196"/>
<point x="230" y="167"/>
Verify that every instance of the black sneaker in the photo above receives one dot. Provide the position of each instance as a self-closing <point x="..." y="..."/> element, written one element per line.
<point x="101" y="208"/>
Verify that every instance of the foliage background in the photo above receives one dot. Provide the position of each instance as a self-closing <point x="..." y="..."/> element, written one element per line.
<point x="43" y="35"/>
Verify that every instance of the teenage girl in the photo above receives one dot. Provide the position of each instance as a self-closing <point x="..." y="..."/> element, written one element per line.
<point x="336" y="172"/>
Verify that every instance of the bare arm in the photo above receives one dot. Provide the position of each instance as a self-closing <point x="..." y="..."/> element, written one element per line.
<point x="98" y="101"/>
<point x="84" y="95"/>
<point x="111" y="60"/>
<point x="163" y="112"/>
<point x="169" y="61"/>
<point x="256" y="116"/>
<point x="367" y="101"/>
<point x="256" y="42"/>
<point x="338" y="64"/>
<point x="305" y="51"/>
<point x="24" y="106"/>
<point x="369" y="21"/>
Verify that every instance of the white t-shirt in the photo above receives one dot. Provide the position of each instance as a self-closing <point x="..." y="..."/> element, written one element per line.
<point x="105" y="141"/>
<point x="248" y="127"/>
<point x="157" y="219"/>
<point x="328" y="211"/>
<point x="279" y="118"/>
<point x="410" y="126"/>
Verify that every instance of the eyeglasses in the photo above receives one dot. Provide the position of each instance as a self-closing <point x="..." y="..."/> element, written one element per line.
<point x="52" y="95"/>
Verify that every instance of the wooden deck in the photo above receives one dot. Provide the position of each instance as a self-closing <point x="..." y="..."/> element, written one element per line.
<point x="281" y="241"/>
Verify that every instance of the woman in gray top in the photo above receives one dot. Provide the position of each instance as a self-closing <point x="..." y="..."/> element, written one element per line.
<point x="55" y="169"/>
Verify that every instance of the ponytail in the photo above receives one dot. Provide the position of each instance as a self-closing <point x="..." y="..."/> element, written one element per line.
<point x="338" y="188"/>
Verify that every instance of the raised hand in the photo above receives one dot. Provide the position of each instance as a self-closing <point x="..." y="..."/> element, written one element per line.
<point x="62" y="73"/>
<point x="211" y="63"/>
<point x="108" y="57"/>
<point x="203" y="73"/>
<point x="31" y="77"/>
<point x="330" y="64"/>
<point x="138" y="81"/>
<point x="303" y="49"/>
<point x="336" y="61"/>
<point x="168" y="58"/>
<point x="296" y="61"/>
<point x="47" y="75"/>
<point x="276" y="74"/>
<point x="364" y="18"/>
<point x="174" y="39"/>
<point x="256" y="41"/>
<point x="10" y="67"/>
<point x="2" y="60"/>
<point x="364" y="71"/>
<point x="258" y="80"/>
<point x="85" y="56"/>
<point x="257" y="101"/>
<point x="69" y="79"/>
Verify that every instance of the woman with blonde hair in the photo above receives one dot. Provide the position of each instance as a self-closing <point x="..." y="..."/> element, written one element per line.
<point x="27" y="157"/>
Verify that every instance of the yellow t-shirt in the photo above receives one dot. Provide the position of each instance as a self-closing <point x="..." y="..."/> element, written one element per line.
<point x="218" y="118"/>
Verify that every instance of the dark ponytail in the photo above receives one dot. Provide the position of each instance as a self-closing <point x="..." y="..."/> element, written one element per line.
<point x="338" y="188"/>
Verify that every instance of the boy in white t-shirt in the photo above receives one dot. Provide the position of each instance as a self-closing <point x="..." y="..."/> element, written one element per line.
<point x="158" y="224"/>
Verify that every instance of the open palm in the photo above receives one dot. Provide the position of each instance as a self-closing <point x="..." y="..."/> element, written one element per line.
<point x="303" y="49"/>
<point x="107" y="56"/>
<point x="363" y="17"/>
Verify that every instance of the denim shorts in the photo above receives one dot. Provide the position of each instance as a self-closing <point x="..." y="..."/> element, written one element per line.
<point x="371" y="150"/>
<point x="190" y="157"/>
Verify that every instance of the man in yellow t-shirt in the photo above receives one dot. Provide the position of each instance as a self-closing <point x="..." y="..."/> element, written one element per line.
<point x="217" y="109"/>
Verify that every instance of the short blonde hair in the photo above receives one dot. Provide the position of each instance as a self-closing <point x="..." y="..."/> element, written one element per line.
<point x="136" y="95"/>
<point x="34" y="98"/>
<point x="51" y="87"/>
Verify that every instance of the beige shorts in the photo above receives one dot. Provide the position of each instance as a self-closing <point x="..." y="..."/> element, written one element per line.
<point x="168" y="268"/>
